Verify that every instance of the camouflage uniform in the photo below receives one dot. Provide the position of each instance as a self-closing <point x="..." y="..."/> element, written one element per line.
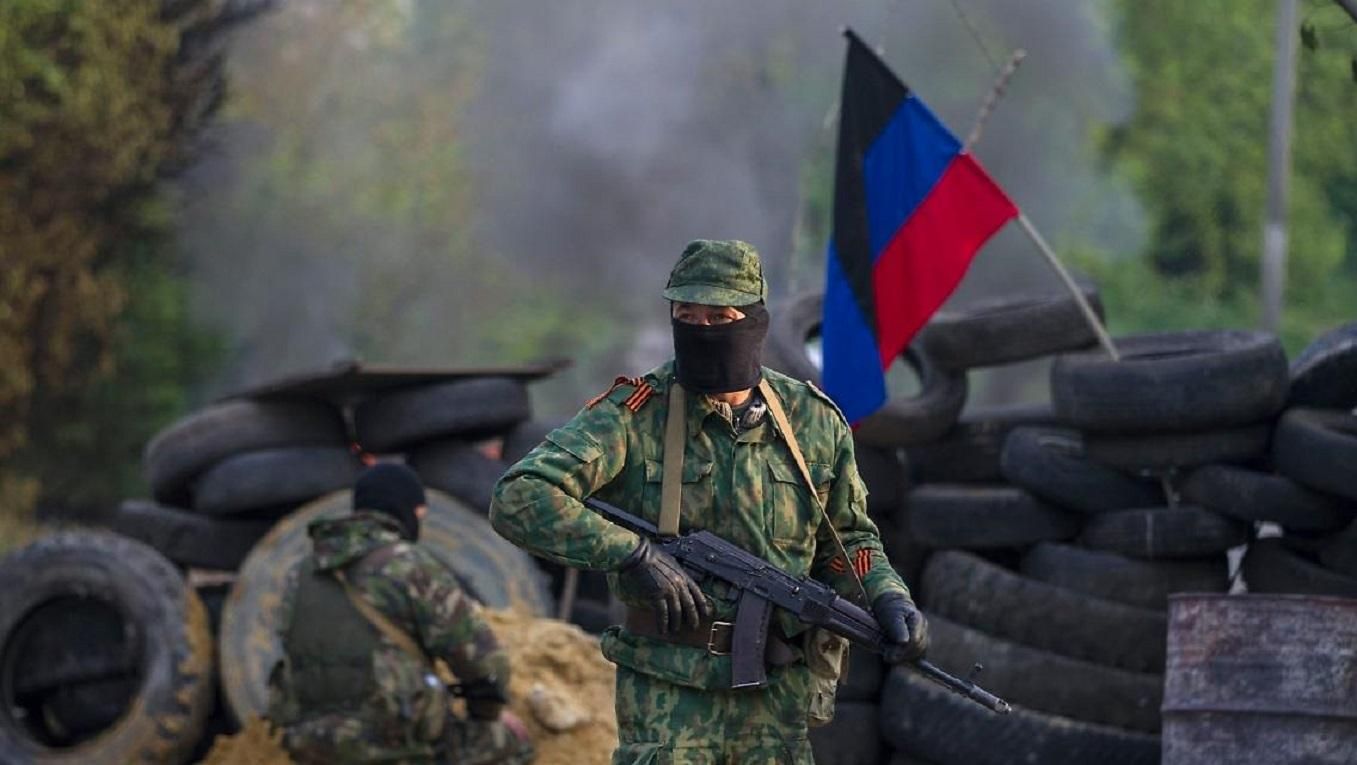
<point x="384" y="709"/>
<point x="673" y="701"/>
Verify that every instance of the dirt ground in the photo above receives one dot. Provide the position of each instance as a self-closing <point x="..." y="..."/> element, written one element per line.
<point x="562" y="688"/>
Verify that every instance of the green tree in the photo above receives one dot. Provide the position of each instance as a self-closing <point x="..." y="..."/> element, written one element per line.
<point x="98" y="101"/>
<point x="1196" y="151"/>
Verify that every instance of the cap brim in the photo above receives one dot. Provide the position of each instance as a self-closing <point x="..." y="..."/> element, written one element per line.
<point x="705" y="294"/>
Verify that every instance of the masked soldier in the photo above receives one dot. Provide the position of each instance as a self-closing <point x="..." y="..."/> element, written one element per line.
<point x="369" y="613"/>
<point x="697" y="444"/>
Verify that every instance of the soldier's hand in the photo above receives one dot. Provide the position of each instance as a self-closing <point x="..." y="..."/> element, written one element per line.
<point x="904" y="626"/>
<point x="656" y="577"/>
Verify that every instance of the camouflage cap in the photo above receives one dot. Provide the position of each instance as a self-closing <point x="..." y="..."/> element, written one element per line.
<point x="716" y="272"/>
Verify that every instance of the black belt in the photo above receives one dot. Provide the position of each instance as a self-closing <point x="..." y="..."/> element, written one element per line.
<point x="715" y="637"/>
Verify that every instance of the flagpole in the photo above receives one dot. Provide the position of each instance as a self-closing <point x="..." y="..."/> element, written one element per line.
<point x="1093" y="321"/>
<point x="997" y="92"/>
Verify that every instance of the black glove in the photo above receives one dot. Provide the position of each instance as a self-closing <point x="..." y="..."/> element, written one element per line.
<point x="655" y="577"/>
<point x="904" y="626"/>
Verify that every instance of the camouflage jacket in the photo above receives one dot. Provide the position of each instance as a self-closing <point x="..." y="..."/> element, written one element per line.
<point x="743" y="486"/>
<point x="419" y="595"/>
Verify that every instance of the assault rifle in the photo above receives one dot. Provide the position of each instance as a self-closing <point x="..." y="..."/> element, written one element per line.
<point x="759" y="585"/>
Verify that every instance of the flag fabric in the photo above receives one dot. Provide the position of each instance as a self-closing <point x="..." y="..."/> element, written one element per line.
<point x="910" y="211"/>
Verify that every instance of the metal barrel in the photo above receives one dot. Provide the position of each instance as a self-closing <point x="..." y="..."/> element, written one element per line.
<point x="1261" y="679"/>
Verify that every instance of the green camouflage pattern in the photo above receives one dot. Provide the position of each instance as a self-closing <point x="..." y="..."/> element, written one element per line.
<point x="741" y="486"/>
<point x="662" y="723"/>
<point x="714" y="272"/>
<point x="421" y="597"/>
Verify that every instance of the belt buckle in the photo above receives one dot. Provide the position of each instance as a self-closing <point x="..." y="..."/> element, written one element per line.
<point x="711" y="638"/>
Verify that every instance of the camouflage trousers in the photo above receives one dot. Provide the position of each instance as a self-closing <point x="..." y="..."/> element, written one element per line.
<point x="660" y="723"/>
<point x="343" y="739"/>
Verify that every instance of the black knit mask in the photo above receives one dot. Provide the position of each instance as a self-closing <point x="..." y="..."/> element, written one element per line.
<point x="393" y="489"/>
<point x="720" y="358"/>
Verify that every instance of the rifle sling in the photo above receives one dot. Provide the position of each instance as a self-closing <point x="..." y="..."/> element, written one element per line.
<point x="789" y="436"/>
<point x="671" y="477"/>
<point x="384" y="625"/>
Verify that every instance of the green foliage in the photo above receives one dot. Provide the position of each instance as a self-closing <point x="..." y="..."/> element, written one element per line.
<point x="96" y="100"/>
<point x="1196" y="151"/>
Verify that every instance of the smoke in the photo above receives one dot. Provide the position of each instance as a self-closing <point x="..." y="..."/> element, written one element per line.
<point x="596" y="138"/>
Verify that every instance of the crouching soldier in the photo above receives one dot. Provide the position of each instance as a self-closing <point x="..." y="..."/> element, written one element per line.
<point x="368" y="614"/>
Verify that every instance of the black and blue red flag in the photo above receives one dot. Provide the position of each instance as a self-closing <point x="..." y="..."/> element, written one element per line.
<point x="910" y="211"/>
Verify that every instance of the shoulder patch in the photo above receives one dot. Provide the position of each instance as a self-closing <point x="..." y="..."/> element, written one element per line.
<point x="814" y="389"/>
<point x="627" y="392"/>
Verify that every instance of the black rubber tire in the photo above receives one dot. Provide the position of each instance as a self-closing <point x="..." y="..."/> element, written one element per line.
<point x="1046" y="682"/>
<point x="491" y="569"/>
<point x="905" y="758"/>
<point x="80" y="710"/>
<point x="1339" y="552"/>
<point x="1324" y="375"/>
<point x="1050" y="463"/>
<point x="919" y="419"/>
<point x="1318" y="448"/>
<point x="459" y="469"/>
<point x="853" y="737"/>
<point x="967" y="589"/>
<point x="526" y="436"/>
<point x="1158" y="452"/>
<point x="903" y="421"/>
<point x="190" y="446"/>
<point x="1009" y="329"/>
<point x="1174" y="382"/>
<point x="1250" y="495"/>
<point x="925" y="720"/>
<point x="862" y="680"/>
<point x="70" y="642"/>
<point x="1270" y="567"/>
<point x="272" y="478"/>
<point x="173" y="644"/>
<point x="1164" y="532"/>
<point x="467" y="410"/>
<point x="983" y="517"/>
<point x="1134" y="582"/>
<point x="187" y="538"/>
<point x="970" y="452"/>
<point x="886" y="477"/>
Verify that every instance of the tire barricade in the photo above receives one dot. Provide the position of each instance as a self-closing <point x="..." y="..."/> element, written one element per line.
<point x="1051" y="535"/>
<point x="1046" y="535"/>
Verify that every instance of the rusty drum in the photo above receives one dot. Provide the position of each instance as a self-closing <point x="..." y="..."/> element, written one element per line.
<point x="1261" y="679"/>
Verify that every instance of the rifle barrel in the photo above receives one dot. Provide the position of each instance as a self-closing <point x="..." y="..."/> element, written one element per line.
<point x="963" y="687"/>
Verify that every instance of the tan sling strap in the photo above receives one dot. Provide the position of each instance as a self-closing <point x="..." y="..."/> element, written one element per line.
<point x="788" y="435"/>
<point x="384" y="625"/>
<point x="671" y="477"/>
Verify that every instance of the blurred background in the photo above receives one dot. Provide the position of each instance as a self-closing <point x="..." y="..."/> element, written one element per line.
<point x="200" y="195"/>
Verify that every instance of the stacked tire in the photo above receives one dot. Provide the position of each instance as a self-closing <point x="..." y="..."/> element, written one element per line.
<point x="221" y="476"/>
<point x="1310" y="503"/>
<point x="1051" y="536"/>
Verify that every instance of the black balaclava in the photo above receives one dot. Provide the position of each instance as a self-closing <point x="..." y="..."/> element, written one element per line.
<point x="393" y="489"/>
<point x="719" y="358"/>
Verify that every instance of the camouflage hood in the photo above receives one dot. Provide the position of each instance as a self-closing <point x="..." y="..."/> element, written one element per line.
<point x="338" y="542"/>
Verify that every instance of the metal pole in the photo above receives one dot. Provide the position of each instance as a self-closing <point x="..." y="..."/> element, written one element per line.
<point x="1093" y="321"/>
<point x="1279" y="166"/>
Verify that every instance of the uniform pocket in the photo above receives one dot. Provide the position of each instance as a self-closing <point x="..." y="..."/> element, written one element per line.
<point x="697" y="487"/>
<point x="578" y="443"/>
<point x="794" y="514"/>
